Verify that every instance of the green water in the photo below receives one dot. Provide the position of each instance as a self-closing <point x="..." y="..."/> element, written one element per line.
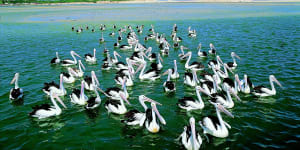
<point x="266" y="36"/>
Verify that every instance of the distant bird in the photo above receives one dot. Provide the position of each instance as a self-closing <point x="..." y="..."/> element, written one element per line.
<point x="91" y="58"/>
<point x="16" y="93"/>
<point x="201" y="53"/>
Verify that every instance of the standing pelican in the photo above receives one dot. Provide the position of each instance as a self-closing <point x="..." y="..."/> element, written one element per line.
<point x="78" y="96"/>
<point x="150" y="120"/>
<point x="45" y="110"/>
<point x="55" y="60"/>
<point x="190" y="138"/>
<point x="189" y="103"/>
<point x="16" y="93"/>
<point x="68" y="62"/>
<point x="263" y="91"/>
<point x="216" y="126"/>
<point x="91" y="58"/>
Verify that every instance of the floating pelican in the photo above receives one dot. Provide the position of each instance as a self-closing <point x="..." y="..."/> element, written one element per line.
<point x="55" y="60"/>
<point x="91" y="58"/>
<point x="68" y="62"/>
<point x="224" y="98"/>
<point x="117" y="106"/>
<point x="115" y="59"/>
<point x="151" y="74"/>
<point x="263" y="91"/>
<point x="67" y="77"/>
<point x="93" y="101"/>
<point x="16" y="93"/>
<point x="91" y="81"/>
<point x="245" y="84"/>
<point x="190" y="138"/>
<point x="52" y="87"/>
<point x="216" y="126"/>
<point x="189" y="103"/>
<point x="194" y="65"/>
<point x="150" y="120"/>
<point x="212" y="49"/>
<point x="175" y="73"/>
<point x="233" y="65"/>
<point x="201" y="53"/>
<point x="101" y="40"/>
<point x="169" y="86"/>
<point x="191" y="78"/>
<point x="78" y="96"/>
<point x="77" y="72"/>
<point x="45" y="110"/>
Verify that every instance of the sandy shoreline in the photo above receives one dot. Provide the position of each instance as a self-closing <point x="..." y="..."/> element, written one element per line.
<point x="156" y="1"/>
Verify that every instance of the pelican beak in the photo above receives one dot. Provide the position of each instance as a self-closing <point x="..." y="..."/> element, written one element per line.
<point x="162" y="120"/>
<point x="80" y="63"/>
<point x="149" y="50"/>
<point x="71" y="70"/>
<point x="123" y="97"/>
<point x="202" y="90"/>
<point x="275" y="80"/>
<point x="220" y="60"/>
<point x="117" y="54"/>
<point x="236" y="76"/>
<point x="151" y="100"/>
<point x="76" y="54"/>
<point x="166" y="72"/>
<point x="228" y="68"/>
<point x="192" y="123"/>
<point x="221" y="108"/>
<point x="15" y="78"/>
<point x="160" y="58"/>
<point x="234" y="54"/>
<point x="59" y="100"/>
<point x="139" y="68"/>
<point x="234" y="94"/>
<point x="95" y="78"/>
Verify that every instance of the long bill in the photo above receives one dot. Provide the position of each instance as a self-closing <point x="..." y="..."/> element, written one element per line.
<point x="15" y="80"/>
<point x="224" y="110"/>
<point x="59" y="100"/>
<point x="162" y="120"/>
<point x="95" y="78"/>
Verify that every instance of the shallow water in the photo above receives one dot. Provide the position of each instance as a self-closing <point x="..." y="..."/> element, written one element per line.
<point x="265" y="35"/>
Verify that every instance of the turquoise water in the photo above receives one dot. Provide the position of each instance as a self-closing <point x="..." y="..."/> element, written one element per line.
<point x="265" y="35"/>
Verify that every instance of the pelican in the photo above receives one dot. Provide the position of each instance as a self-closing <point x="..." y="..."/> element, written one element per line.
<point x="114" y="92"/>
<point x="212" y="49"/>
<point x="176" y="39"/>
<point x="16" y="93"/>
<point x="190" y="138"/>
<point x="68" y="78"/>
<point x="93" y="102"/>
<point x="216" y="63"/>
<point x="189" y="103"/>
<point x="125" y="47"/>
<point x="191" y="78"/>
<point x="225" y="73"/>
<point x="77" y="72"/>
<point x="224" y="99"/>
<point x="78" y="96"/>
<point x="91" y="58"/>
<point x="175" y="73"/>
<point x="45" y="110"/>
<point x="201" y="53"/>
<point x="112" y="34"/>
<point x="245" y="84"/>
<point x="216" y="126"/>
<point x="68" y="62"/>
<point x="169" y="86"/>
<point x="134" y="117"/>
<point x="55" y="60"/>
<point x="263" y="91"/>
<point x="91" y="82"/>
<point x="182" y="54"/>
<point x="115" y="59"/>
<point x="52" y="87"/>
<point x="120" y="77"/>
<point x="194" y="65"/>
<point x="151" y="74"/>
<point x="235" y="85"/>
<point x="233" y="65"/>
<point x="101" y="40"/>
<point x="150" y="121"/>
<point x="117" y="106"/>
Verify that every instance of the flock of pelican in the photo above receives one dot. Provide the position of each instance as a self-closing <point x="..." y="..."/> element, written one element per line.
<point x="217" y="82"/>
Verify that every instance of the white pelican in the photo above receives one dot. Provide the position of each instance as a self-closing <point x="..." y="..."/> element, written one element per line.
<point x="16" y="93"/>
<point x="190" y="138"/>
<point x="93" y="102"/>
<point x="55" y="60"/>
<point x="91" y="58"/>
<point x="263" y="91"/>
<point x="117" y="106"/>
<point x="91" y="81"/>
<point x="78" y="96"/>
<point x="194" y="65"/>
<point x="59" y="91"/>
<point x="45" y="110"/>
<point x="115" y="59"/>
<point x="233" y="65"/>
<point x="212" y="49"/>
<point x="189" y="103"/>
<point x="191" y="78"/>
<point x="201" y="53"/>
<point x="151" y="74"/>
<point x="68" y="62"/>
<point x="216" y="126"/>
<point x="134" y="117"/>
<point x="150" y="120"/>
<point x="77" y="72"/>
<point x="67" y="77"/>
<point x="169" y="86"/>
